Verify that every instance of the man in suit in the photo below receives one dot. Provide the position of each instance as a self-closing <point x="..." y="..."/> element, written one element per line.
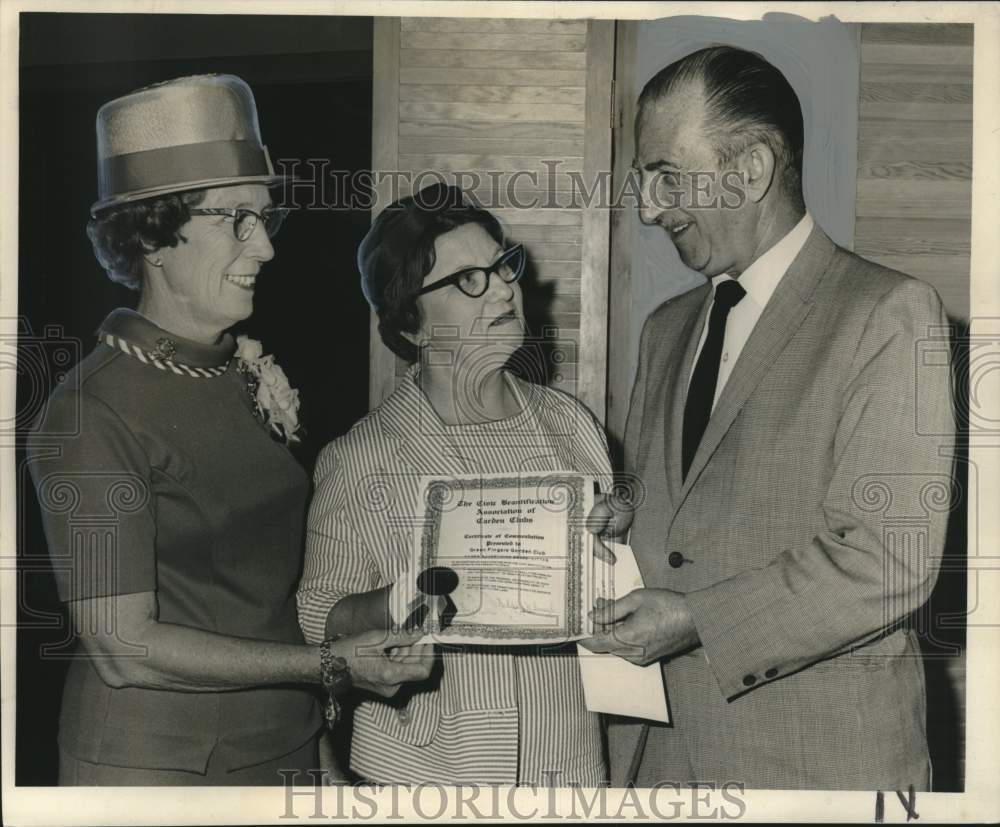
<point x="793" y="504"/>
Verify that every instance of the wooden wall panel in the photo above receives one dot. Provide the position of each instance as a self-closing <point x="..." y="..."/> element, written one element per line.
<point x="491" y="98"/>
<point x="914" y="190"/>
<point x="438" y="58"/>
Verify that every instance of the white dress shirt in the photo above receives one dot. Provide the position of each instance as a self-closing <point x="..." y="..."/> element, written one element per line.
<point x="759" y="280"/>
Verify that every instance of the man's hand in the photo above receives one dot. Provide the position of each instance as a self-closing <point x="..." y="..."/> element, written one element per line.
<point x="643" y="626"/>
<point x="380" y="661"/>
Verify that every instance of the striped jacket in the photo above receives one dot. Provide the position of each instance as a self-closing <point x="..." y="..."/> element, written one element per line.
<point x="489" y="714"/>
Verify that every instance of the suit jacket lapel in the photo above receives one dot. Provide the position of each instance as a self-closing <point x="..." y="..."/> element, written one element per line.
<point x="667" y="368"/>
<point x="418" y="438"/>
<point x="784" y="313"/>
<point x="554" y="441"/>
<point x="420" y="441"/>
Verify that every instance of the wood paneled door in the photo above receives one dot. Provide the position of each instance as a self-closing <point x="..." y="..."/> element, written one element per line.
<point x="517" y="112"/>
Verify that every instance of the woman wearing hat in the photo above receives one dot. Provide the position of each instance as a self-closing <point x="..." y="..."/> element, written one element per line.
<point x="172" y="506"/>
<point x="444" y="283"/>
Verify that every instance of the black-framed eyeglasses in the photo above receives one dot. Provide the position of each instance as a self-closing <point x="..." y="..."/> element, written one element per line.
<point x="245" y="220"/>
<point x="475" y="281"/>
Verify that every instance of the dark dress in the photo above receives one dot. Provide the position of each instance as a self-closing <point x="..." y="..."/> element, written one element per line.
<point x="158" y="477"/>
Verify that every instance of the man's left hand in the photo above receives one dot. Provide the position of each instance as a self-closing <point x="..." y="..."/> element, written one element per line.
<point x="643" y="626"/>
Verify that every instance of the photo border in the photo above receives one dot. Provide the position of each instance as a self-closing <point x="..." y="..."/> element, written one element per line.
<point x="981" y="799"/>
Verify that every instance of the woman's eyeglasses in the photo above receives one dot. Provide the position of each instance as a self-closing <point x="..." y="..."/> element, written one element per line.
<point x="475" y="281"/>
<point x="245" y="221"/>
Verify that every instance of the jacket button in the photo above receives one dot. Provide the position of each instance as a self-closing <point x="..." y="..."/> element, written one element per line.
<point x="771" y="673"/>
<point x="404" y="716"/>
<point x="749" y="680"/>
<point x="676" y="559"/>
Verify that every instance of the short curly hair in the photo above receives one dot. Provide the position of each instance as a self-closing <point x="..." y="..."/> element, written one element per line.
<point x="398" y="253"/>
<point x="122" y="235"/>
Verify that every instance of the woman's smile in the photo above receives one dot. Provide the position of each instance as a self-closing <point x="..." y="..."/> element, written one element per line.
<point x="246" y="282"/>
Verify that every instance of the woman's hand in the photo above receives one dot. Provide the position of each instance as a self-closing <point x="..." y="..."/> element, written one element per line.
<point x="381" y="661"/>
<point x="136" y="649"/>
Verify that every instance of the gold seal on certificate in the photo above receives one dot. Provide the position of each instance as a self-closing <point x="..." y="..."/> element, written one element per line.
<point x="520" y="551"/>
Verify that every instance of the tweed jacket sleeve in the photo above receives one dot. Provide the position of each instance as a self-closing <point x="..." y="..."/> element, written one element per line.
<point x="859" y="575"/>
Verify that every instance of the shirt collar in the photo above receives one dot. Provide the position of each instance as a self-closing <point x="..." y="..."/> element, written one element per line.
<point x="139" y="331"/>
<point x="761" y="278"/>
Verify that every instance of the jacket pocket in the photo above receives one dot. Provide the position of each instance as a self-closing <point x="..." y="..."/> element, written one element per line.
<point x="415" y="722"/>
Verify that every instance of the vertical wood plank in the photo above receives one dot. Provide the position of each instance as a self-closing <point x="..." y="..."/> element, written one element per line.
<point x="592" y="379"/>
<point x="385" y="154"/>
<point x="622" y="220"/>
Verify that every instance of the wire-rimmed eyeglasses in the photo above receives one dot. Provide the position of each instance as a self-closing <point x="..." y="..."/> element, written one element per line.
<point x="245" y="220"/>
<point x="475" y="281"/>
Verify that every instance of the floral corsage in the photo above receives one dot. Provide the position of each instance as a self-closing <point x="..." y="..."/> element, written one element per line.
<point x="276" y="403"/>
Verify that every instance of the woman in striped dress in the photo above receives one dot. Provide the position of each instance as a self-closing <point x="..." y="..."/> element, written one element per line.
<point x="444" y="284"/>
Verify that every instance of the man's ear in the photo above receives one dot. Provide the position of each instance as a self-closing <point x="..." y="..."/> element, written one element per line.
<point x="758" y="163"/>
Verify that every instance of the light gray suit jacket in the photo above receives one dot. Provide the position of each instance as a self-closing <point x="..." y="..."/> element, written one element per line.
<point x="812" y="522"/>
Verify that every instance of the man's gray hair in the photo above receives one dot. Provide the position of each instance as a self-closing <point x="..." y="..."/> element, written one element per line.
<point x="747" y="100"/>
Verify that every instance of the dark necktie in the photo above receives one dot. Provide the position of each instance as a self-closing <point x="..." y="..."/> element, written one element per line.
<point x="701" y="390"/>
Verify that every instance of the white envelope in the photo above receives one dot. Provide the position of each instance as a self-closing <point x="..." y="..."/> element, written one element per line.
<point x="610" y="684"/>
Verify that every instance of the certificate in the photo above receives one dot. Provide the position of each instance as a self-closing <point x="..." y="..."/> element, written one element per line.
<point x="520" y="550"/>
